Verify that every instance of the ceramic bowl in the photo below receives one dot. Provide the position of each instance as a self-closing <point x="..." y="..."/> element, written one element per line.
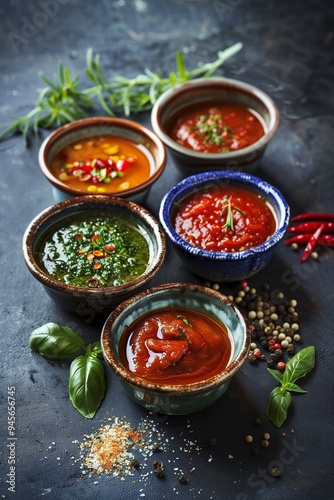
<point x="113" y="128"/>
<point x="176" y="399"/>
<point x="224" y="266"/>
<point x="203" y="91"/>
<point x="97" y="301"/>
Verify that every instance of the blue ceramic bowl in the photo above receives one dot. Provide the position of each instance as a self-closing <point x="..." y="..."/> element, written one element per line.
<point x="224" y="266"/>
<point x="203" y="91"/>
<point x="84" y="301"/>
<point x="113" y="128"/>
<point x="166" y="398"/>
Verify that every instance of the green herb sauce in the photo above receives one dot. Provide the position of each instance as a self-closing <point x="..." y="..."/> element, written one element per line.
<point x="95" y="251"/>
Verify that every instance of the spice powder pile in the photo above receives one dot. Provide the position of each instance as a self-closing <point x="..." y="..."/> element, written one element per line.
<point x="112" y="449"/>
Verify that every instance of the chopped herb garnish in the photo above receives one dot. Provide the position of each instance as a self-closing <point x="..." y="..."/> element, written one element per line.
<point x="184" y="319"/>
<point x="213" y="128"/>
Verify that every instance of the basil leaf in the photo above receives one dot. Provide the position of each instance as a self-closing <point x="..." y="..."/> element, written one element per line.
<point x="278" y="375"/>
<point x="300" y="365"/>
<point x="86" y="384"/>
<point x="294" y="388"/>
<point x="279" y="402"/>
<point x="54" y="341"/>
<point x="95" y="349"/>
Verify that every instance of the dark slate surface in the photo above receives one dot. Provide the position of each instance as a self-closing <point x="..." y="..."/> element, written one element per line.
<point x="288" y="52"/>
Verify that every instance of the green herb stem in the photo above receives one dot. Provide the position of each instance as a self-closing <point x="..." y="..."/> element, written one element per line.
<point x="63" y="100"/>
<point x="229" y="207"/>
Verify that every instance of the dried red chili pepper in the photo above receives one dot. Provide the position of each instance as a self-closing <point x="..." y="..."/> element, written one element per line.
<point x="311" y="227"/>
<point x="313" y="216"/>
<point x="325" y="240"/>
<point x="312" y="243"/>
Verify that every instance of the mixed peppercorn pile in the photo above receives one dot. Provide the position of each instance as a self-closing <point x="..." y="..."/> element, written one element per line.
<point x="274" y="324"/>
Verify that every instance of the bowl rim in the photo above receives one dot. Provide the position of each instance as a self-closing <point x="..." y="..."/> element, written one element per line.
<point x="189" y="184"/>
<point x="173" y="389"/>
<point x="84" y="123"/>
<point x="50" y="213"/>
<point x="243" y="87"/>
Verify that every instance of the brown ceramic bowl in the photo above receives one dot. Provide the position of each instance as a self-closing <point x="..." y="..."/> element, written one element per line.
<point x="100" y="300"/>
<point x="113" y="128"/>
<point x="168" y="398"/>
<point x="179" y="99"/>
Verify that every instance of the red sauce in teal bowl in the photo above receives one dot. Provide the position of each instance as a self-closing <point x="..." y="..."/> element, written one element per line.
<point x="176" y="346"/>
<point x="217" y="128"/>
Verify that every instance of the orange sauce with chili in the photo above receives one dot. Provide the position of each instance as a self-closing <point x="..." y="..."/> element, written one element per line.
<point x="176" y="346"/>
<point x="203" y="219"/>
<point x="103" y="164"/>
<point x="217" y="128"/>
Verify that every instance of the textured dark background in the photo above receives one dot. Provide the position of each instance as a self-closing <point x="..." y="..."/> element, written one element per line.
<point x="288" y="51"/>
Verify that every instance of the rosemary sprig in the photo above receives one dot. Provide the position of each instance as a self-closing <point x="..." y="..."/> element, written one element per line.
<point x="63" y="100"/>
<point x="227" y="205"/>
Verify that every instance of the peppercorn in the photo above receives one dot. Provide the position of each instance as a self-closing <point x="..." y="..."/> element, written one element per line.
<point x="258" y="421"/>
<point x="265" y="443"/>
<point x="249" y="438"/>
<point x="257" y="353"/>
<point x="135" y="464"/>
<point x="281" y="366"/>
<point x="158" y="468"/>
<point x="183" y="480"/>
<point x="275" y="472"/>
<point x="266" y="436"/>
<point x="290" y="349"/>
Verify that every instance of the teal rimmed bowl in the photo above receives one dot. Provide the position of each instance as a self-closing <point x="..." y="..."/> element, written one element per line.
<point x="178" y="399"/>
<point x="83" y="300"/>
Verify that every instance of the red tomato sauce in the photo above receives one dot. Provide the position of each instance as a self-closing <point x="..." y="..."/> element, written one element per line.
<point x="217" y="128"/>
<point x="176" y="346"/>
<point x="228" y="219"/>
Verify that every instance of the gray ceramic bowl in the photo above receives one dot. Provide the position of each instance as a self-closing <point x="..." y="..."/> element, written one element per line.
<point x="113" y="127"/>
<point x="185" y="398"/>
<point x="224" y="266"/>
<point x="203" y="91"/>
<point x="85" y="301"/>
